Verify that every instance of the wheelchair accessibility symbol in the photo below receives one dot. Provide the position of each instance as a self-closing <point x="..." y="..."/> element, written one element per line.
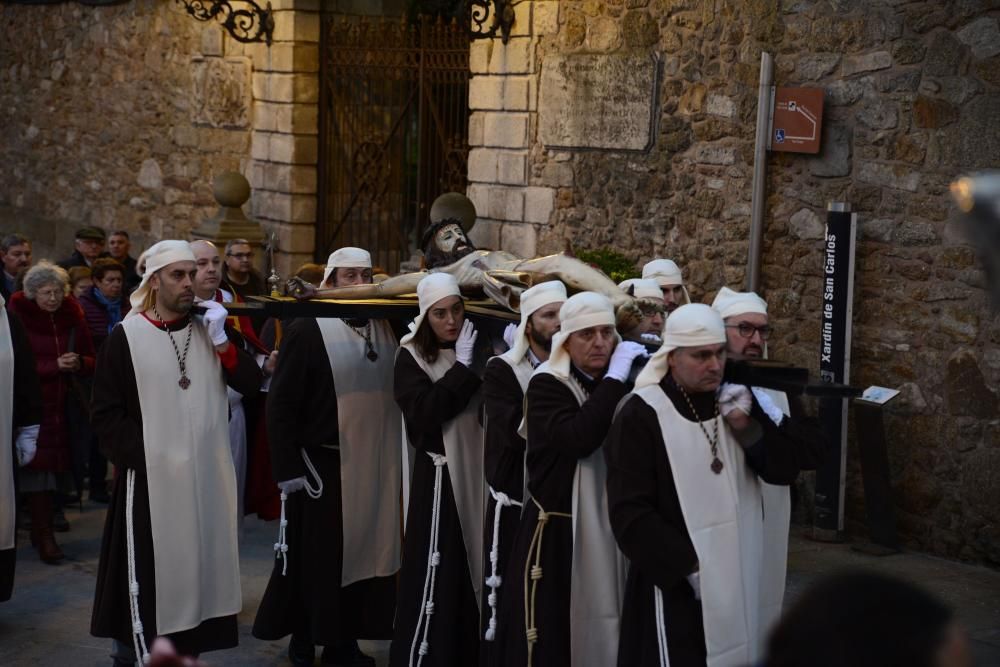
<point x="779" y="136"/>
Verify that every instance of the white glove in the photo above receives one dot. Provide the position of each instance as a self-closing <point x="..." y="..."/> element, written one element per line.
<point x="510" y="335"/>
<point x="288" y="487"/>
<point x="622" y="358"/>
<point x="215" y="321"/>
<point x="766" y="404"/>
<point x="26" y="444"/>
<point x="652" y="338"/>
<point x="694" y="579"/>
<point x="465" y="344"/>
<point x="734" y="397"/>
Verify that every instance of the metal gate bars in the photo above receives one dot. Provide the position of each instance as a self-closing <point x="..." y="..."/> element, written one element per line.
<point x="394" y="130"/>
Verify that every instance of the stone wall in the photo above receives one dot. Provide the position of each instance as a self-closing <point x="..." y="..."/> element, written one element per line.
<point x="912" y="100"/>
<point x="122" y="116"/>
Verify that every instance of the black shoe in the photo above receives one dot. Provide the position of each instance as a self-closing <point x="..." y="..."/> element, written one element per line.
<point x="301" y="652"/>
<point x="346" y="654"/>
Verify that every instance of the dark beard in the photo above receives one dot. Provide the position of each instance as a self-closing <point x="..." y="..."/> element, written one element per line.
<point x="541" y="341"/>
<point x="434" y="257"/>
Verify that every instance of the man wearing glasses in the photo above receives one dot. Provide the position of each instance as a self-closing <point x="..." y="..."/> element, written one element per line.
<point x="239" y="274"/>
<point x="747" y="332"/>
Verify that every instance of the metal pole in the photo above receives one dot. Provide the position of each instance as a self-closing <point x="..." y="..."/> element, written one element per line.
<point x="759" y="170"/>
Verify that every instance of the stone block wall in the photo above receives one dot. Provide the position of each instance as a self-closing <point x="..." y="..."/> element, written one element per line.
<point x="504" y="103"/>
<point x="912" y="100"/>
<point x="122" y="116"/>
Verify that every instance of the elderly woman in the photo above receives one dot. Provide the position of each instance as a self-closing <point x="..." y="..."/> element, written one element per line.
<point x="63" y="349"/>
<point x="102" y="303"/>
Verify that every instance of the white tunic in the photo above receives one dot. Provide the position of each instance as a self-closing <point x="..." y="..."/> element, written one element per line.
<point x="190" y="475"/>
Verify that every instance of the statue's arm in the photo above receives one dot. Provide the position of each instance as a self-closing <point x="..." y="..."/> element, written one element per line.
<point x="394" y="286"/>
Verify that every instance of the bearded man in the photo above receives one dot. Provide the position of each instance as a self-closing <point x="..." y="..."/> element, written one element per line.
<point x="504" y="383"/>
<point x="169" y="560"/>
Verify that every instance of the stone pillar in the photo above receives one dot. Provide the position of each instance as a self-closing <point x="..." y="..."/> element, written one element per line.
<point x="231" y="190"/>
<point x="503" y="97"/>
<point x="284" y="142"/>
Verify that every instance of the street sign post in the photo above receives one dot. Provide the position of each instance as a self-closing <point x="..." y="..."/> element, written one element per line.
<point x="796" y="120"/>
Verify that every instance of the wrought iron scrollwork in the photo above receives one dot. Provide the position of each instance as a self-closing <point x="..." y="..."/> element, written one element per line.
<point x="248" y="23"/>
<point x="492" y="16"/>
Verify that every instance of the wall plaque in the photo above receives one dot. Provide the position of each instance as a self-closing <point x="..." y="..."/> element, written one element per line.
<point x="598" y="101"/>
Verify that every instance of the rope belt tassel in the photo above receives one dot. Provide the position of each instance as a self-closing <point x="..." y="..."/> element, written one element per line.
<point x="281" y="546"/>
<point x="433" y="562"/>
<point x="138" y="638"/>
<point x="533" y="574"/>
<point x="494" y="580"/>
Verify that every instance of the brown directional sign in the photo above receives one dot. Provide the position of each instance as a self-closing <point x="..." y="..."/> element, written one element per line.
<point x="797" y="120"/>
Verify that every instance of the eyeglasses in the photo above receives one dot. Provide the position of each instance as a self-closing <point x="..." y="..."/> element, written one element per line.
<point x="49" y="293"/>
<point x="747" y="330"/>
<point x="240" y="255"/>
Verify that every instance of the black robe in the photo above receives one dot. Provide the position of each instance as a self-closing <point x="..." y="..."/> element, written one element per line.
<point x="117" y="420"/>
<point x="561" y="432"/>
<point x="309" y="600"/>
<point x="454" y="628"/>
<point x="27" y="411"/>
<point x="504" y="468"/>
<point x="649" y="525"/>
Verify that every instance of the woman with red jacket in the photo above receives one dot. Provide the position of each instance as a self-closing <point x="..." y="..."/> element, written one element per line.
<point x="61" y="342"/>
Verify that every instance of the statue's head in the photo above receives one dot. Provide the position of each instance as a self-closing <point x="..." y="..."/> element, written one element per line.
<point x="445" y="242"/>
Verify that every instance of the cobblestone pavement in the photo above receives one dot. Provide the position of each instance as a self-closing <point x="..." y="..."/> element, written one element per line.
<point x="47" y="621"/>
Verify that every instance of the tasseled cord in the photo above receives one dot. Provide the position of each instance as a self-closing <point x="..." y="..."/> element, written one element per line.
<point x="494" y="580"/>
<point x="433" y="561"/>
<point x="138" y="638"/>
<point x="281" y="546"/>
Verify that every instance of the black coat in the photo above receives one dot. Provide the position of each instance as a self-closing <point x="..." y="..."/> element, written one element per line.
<point x="649" y="526"/>
<point x="117" y="421"/>
<point x="309" y="600"/>
<point x="454" y="628"/>
<point x="561" y="433"/>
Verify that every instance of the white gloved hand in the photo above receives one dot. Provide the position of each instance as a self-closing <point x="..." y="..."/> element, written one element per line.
<point x="215" y="321"/>
<point x="622" y="358"/>
<point x="652" y="338"/>
<point x="734" y="397"/>
<point x="510" y="335"/>
<point x="767" y="404"/>
<point x="26" y="444"/>
<point x="290" y="486"/>
<point x="465" y="344"/>
<point x="694" y="579"/>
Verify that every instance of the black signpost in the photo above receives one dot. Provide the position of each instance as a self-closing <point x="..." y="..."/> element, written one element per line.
<point x="835" y="365"/>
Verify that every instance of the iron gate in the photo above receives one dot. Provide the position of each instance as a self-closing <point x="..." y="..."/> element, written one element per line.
<point x="394" y="130"/>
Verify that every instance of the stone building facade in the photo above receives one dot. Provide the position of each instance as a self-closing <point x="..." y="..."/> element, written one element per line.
<point x="912" y="100"/>
<point x="121" y="116"/>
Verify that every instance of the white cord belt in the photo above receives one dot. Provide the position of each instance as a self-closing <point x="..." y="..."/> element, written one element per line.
<point x="281" y="546"/>
<point x="494" y="580"/>
<point x="433" y="561"/>
<point x="138" y="638"/>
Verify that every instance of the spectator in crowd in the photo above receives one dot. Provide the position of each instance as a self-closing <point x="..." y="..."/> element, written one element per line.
<point x="119" y="246"/>
<point x="103" y="303"/>
<point x="88" y="246"/>
<point x="63" y="351"/>
<point x="239" y="276"/>
<point x="80" y="280"/>
<point x="15" y="255"/>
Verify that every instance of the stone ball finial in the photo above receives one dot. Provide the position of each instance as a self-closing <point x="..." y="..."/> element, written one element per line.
<point x="454" y="205"/>
<point x="231" y="189"/>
